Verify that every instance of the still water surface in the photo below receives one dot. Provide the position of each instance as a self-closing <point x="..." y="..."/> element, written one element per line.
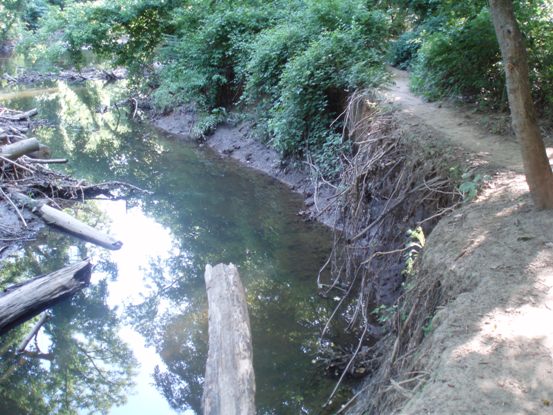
<point x="135" y="341"/>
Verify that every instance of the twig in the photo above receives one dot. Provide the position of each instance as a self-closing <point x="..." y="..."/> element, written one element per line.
<point x="15" y="207"/>
<point x="347" y="366"/>
<point x="382" y="253"/>
<point x="32" y="333"/>
<point x="16" y="164"/>
<point x="353" y="398"/>
<point x="135" y="102"/>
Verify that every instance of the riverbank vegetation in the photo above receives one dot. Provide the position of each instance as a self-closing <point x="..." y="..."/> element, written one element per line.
<point x="290" y="64"/>
<point x="452" y="51"/>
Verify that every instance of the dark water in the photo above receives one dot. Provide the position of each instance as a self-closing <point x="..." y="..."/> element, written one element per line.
<point x="135" y="341"/>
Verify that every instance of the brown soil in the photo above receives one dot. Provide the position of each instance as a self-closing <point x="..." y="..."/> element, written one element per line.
<point x="487" y="347"/>
<point x="491" y="343"/>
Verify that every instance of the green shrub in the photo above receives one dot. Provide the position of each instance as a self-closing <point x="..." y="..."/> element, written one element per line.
<point x="405" y="49"/>
<point x="200" y="61"/>
<point x="460" y="60"/>
<point x="314" y="86"/>
<point x="457" y="53"/>
<point x="293" y="61"/>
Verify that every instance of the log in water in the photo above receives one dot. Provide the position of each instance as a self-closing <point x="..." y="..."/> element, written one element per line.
<point x="229" y="386"/>
<point x="23" y="301"/>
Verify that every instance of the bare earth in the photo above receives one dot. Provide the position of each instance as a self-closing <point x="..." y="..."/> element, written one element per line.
<point x="490" y="348"/>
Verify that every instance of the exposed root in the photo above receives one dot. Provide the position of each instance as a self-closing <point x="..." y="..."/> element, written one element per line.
<point x="392" y="186"/>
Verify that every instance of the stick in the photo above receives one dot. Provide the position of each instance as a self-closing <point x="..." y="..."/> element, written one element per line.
<point x="15" y="207"/>
<point x="20" y="116"/>
<point x="47" y="161"/>
<point x="32" y="333"/>
<point x="7" y="160"/>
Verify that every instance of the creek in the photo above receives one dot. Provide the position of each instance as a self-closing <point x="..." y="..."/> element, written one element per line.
<point x="135" y="341"/>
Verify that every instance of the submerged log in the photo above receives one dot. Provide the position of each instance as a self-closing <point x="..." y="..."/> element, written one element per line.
<point x="229" y="386"/>
<point x="19" y="148"/>
<point x="23" y="301"/>
<point x="68" y="223"/>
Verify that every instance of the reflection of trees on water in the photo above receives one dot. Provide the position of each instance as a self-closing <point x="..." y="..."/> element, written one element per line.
<point x="215" y="213"/>
<point x="80" y="365"/>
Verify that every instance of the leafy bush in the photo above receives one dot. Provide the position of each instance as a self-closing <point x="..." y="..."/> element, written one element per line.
<point x="461" y="60"/>
<point x="404" y="49"/>
<point x="314" y="86"/>
<point x="294" y="62"/>
<point x="200" y="61"/>
<point x="457" y="52"/>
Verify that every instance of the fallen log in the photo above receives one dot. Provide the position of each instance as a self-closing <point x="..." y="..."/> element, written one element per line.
<point x="47" y="161"/>
<point x="19" y="148"/>
<point x="68" y="223"/>
<point x="229" y="386"/>
<point x="20" y="116"/>
<point x="42" y="152"/>
<point x="23" y="301"/>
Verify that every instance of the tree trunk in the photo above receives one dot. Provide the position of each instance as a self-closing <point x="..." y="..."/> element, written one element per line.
<point x="23" y="301"/>
<point x="20" y="148"/>
<point x="229" y="386"/>
<point x="523" y="114"/>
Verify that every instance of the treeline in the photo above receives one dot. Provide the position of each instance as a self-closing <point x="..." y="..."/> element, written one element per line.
<point x="291" y="64"/>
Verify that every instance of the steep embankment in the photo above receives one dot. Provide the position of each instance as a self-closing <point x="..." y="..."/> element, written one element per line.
<point x="483" y="305"/>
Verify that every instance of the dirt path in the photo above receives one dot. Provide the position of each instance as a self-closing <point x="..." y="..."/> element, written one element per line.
<point x="489" y="349"/>
<point x="458" y="127"/>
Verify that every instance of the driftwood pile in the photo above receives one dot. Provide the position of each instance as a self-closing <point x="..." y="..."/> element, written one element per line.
<point x="29" y="192"/>
<point x="87" y="74"/>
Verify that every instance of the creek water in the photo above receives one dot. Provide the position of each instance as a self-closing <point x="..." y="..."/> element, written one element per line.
<point x="135" y="341"/>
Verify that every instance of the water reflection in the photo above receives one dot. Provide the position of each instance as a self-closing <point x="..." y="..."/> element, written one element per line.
<point x="203" y="210"/>
<point x="80" y="365"/>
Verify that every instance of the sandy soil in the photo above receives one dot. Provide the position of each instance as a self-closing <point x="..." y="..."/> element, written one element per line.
<point x="460" y="126"/>
<point x="490" y="346"/>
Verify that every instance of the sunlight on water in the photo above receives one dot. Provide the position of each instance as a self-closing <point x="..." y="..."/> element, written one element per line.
<point x="143" y="320"/>
<point x="143" y="241"/>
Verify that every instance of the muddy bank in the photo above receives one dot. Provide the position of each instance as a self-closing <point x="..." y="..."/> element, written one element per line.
<point x="466" y="334"/>
<point x="237" y="143"/>
<point x="392" y="185"/>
